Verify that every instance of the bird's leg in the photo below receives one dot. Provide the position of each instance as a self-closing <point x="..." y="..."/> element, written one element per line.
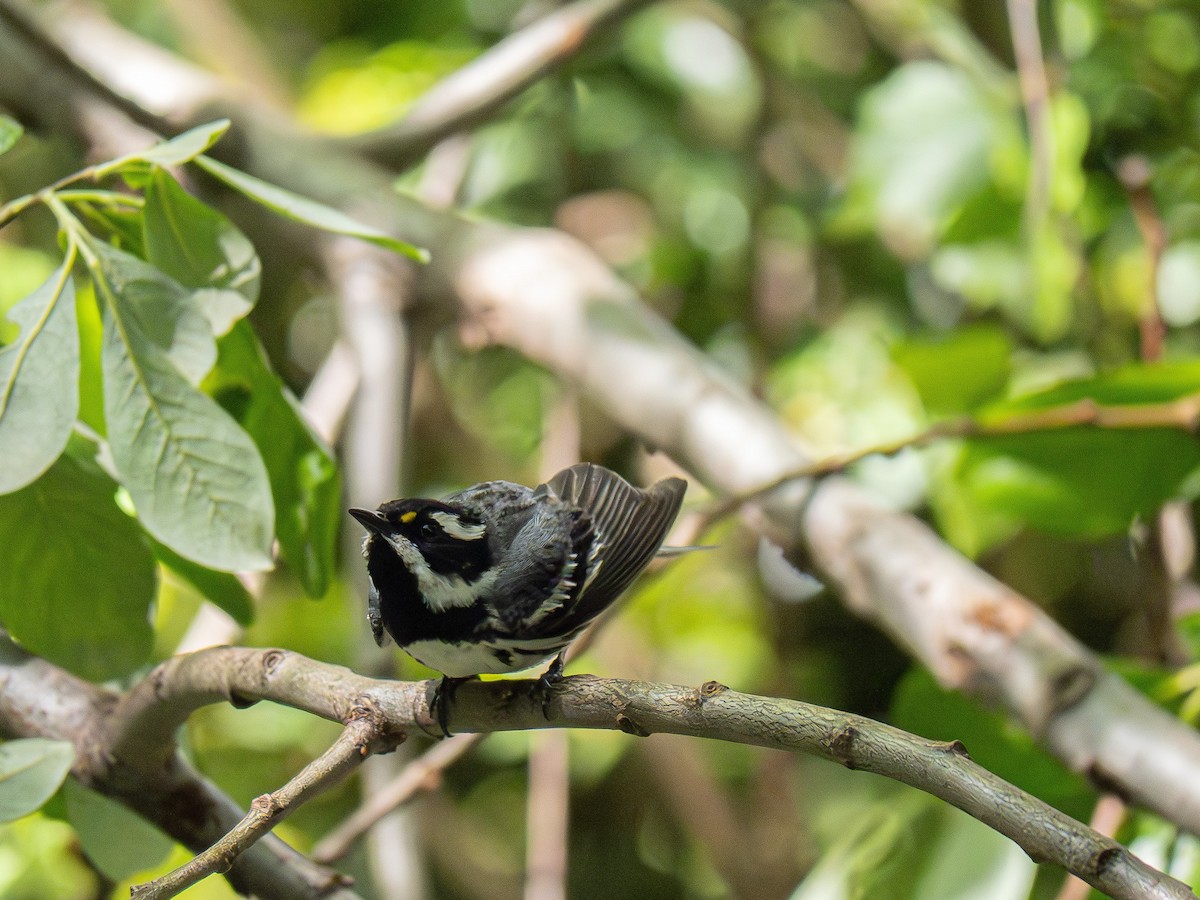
<point x="543" y="688"/>
<point x="443" y="696"/>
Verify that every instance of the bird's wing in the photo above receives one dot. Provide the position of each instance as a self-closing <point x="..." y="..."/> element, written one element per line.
<point x="629" y="526"/>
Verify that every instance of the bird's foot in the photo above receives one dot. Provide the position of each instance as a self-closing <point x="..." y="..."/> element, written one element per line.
<point x="543" y="688"/>
<point x="443" y="696"/>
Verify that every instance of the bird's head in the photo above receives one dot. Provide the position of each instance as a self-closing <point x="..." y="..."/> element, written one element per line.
<point x="442" y="545"/>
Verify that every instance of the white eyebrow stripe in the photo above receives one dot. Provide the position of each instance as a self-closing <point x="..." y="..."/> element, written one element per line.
<point x="454" y="526"/>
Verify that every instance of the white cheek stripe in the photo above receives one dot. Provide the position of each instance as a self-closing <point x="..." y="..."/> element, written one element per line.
<point x="453" y="526"/>
<point x="440" y="592"/>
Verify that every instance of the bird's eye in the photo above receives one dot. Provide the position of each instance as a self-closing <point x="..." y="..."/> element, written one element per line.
<point x="429" y="530"/>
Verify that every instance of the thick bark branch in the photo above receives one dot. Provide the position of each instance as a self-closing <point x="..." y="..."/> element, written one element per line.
<point x="184" y="683"/>
<point x="38" y="699"/>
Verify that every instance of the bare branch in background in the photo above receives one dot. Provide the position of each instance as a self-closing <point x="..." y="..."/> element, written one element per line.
<point x="421" y="774"/>
<point x="1035" y="94"/>
<point x="474" y="93"/>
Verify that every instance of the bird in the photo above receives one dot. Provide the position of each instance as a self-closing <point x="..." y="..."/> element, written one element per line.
<point x="500" y="577"/>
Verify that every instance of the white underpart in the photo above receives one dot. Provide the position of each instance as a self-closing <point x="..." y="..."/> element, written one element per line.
<point x="454" y="526"/>
<point x="440" y="592"/>
<point x="461" y="660"/>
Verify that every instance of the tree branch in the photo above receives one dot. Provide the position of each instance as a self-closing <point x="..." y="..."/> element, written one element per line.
<point x="473" y="93"/>
<point x="362" y="736"/>
<point x="38" y="699"/>
<point x="711" y="710"/>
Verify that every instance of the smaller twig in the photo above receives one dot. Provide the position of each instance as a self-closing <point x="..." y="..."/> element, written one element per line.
<point x="1182" y="413"/>
<point x="422" y="774"/>
<point x="1035" y="91"/>
<point x="1134" y="172"/>
<point x="468" y="96"/>
<point x="361" y="737"/>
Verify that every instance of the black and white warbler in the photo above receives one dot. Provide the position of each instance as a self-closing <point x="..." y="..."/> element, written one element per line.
<point x="500" y="577"/>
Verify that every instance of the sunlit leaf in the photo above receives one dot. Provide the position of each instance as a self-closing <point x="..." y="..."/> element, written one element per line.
<point x="10" y="133"/>
<point x="968" y="367"/>
<point x="39" y="382"/>
<point x="196" y="478"/>
<point x="304" y="477"/>
<point x="173" y="152"/>
<point x="1078" y="481"/>
<point x="31" y="770"/>
<point x="97" y="820"/>
<point x="78" y="577"/>
<point x="162" y="311"/>
<point x="924" y="144"/>
<point x="202" y="250"/>
<point x="306" y="211"/>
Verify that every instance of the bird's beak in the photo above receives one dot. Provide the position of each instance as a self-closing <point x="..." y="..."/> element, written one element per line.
<point x="371" y="520"/>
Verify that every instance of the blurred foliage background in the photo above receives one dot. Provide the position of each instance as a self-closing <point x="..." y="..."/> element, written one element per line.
<point x="871" y="213"/>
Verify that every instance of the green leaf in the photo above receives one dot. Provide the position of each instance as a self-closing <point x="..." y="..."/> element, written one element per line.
<point x="174" y="152"/>
<point x="926" y="141"/>
<point x="304" y="477"/>
<point x="78" y="577"/>
<point x="958" y="373"/>
<point x="10" y="133"/>
<point x="196" y="478"/>
<point x="1081" y="481"/>
<point x="222" y="588"/>
<point x="39" y="382"/>
<point x="118" y="841"/>
<point x="161" y="309"/>
<point x="306" y="211"/>
<point x="1134" y="385"/>
<point x="202" y="250"/>
<point x="31" y="770"/>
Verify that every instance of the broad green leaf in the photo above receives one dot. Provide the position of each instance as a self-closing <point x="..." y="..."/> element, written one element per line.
<point x="162" y="310"/>
<point x="928" y="136"/>
<point x="309" y="212"/>
<point x="120" y="226"/>
<point x="174" y="152"/>
<point x="968" y="367"/>
<point x="221" y="588"/>
<point x="31" y="770"/>
<point x="196" y="479"/>
<point x="118" y="841"/>
<point x="1133" y="385"/>
<point x="1079" y="481"/>
<point x="78" y="577"/>
<point x="304" y="478"/>
<point x="202" y="250"/>
<point x="39" y="382"/>
<point x="10" y="133"/>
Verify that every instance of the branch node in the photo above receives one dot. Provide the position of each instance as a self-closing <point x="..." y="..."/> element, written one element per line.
<point x="238" y="700"/>
<point x="1105" y="858"/>
<point x="711" y="689"/>
<point x="841" y="745"/>
<point x="272" y="660"/>
<point x="629" y="726"/>
<point x="957" y="748"/>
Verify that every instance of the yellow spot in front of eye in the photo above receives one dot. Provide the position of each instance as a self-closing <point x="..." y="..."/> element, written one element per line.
<point x="408" y="517"/>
